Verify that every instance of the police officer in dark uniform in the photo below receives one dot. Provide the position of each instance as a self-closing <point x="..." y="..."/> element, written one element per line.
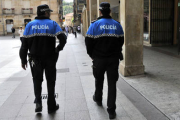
<point x="104" y="41"/>
<point x="40" y="40"/>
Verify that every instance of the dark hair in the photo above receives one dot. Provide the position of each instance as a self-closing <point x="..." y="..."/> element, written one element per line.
<point x="105" y="12"/>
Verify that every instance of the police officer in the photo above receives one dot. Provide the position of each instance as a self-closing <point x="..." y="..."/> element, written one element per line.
<point x="104" y="41"/>
<point x="40" y="39"/>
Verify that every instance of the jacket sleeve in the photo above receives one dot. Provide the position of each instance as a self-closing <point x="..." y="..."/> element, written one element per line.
<point x="23" y="51"/>
<point x="89" y="40"/>
<point x="61" y="36"/>
<point x="121" y="42"/>
<point x="89" y="45"/>
<point x="62" y="41"/>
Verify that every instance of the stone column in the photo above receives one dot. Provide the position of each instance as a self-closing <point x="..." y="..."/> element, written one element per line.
<point x="99" y="2"/>
<point x="93" y="14"/>
<point x="175" y="21"/>
<point x="90" y="9"/>
<point x="2" y="31"/>
<point x="88" y="13"/>
<point x="132" y="21"/>
<point x="87" y="23"/>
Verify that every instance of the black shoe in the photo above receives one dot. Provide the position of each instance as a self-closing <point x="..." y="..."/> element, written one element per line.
<point x="98" y="103"/>
<point x="53" y="110"/>
<point x="112" y="116"/>
<point x="38" y="107"/>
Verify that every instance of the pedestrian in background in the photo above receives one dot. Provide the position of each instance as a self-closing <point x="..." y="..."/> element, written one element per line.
<point x="13" y="32"/>
<point x="40" y="39"/>
<point x="104" y="41"/>
<point x="74" y="31"/>
<point x="21" y="31"/>
<point x="71" y="29"/>
<point x="79" y="29"/>
<point x="67" y="30"/>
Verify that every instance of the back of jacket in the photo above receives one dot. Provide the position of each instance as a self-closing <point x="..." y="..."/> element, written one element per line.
<point x="105" y="38"/>
<point x="40" y="38"/>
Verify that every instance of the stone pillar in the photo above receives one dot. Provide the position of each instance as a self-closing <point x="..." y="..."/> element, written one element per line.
<point x="88" y="13"/>
<point x="93" y="10"/>
<point x="85" y="21"/>
<point x="90" y="9"/>
<point x="132" y="21"/>
<point x="1" y="19"/>
<point x="175" y="21"/>
<point x="99" y="2"/>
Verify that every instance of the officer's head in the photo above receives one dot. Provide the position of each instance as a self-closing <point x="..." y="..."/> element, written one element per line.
<point x="104" y="8"/>
<point x="43" y="10"/>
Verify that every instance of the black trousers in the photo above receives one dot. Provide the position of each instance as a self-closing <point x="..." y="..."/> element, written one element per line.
<point x="38" y="66"/>
<point x="75" y="34"/>
<point x="110" y="66"/>
<point x="21" y="38"/>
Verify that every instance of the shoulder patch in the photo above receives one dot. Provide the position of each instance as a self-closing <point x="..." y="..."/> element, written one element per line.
<point x="93" y="21"/>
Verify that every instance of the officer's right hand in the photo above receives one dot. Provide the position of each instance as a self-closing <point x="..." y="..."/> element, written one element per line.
<point x="24" y="66"/>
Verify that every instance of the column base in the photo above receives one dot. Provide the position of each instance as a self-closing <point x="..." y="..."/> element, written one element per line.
<point x="131" y="70"/>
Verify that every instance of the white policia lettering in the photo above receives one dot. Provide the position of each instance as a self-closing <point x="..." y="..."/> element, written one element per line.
<point x="40" y="27"/>
<point x="111" y="27"/>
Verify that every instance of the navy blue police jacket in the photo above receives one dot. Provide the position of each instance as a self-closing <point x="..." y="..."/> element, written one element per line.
<point x="105" y="38"/>
<point x="40" y="39"/>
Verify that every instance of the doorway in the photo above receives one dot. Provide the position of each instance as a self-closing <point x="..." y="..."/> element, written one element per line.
<point x="162" y="22"/>
<point x="146" y="20"/>
<point x="9" y="25"/>
<point x="26" y="21"/>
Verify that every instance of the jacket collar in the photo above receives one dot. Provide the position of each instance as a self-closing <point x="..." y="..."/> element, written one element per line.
<point x="41" y="17"/>
<point x="108" y="16"/>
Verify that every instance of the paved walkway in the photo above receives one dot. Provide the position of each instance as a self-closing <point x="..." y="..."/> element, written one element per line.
<point x="161" y="82"/>
<point x="75" y="87"/>
<point x="138" y="98"/>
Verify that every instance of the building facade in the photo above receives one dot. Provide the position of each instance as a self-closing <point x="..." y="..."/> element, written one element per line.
<point x="15" y="13"/>
<point x="78" y="6"/>
<point x="60" y="13"/>
<point x="68" y="19"/>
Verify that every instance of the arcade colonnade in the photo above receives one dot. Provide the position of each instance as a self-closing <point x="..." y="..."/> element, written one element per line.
<point x="130" y="14"/>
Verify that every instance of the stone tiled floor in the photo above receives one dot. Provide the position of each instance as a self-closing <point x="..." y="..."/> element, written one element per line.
<point x="74" y="85"/>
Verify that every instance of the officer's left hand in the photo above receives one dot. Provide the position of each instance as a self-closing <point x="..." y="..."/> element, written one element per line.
<point x="24" y="66"/>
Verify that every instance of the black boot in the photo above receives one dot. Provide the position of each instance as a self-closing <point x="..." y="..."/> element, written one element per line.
<point x="38" y="107"/>
<point x="112" y="116"/>
<point x="98" y="103"/>
<point x="54" y="109"/>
